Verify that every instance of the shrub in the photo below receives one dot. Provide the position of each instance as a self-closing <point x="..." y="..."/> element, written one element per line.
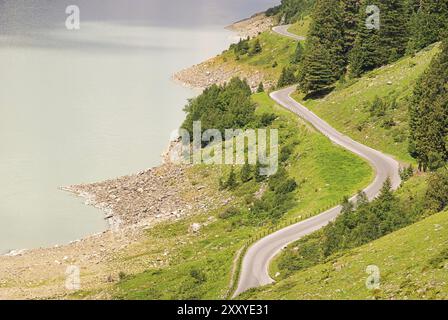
<point x="229" y="212"/>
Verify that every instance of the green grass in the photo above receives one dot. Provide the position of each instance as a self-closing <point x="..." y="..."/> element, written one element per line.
<point x="301" y="27"/>
<point x="275" y="48"/>
<point x="347" y="107"/>
<point x="413" y="264"/>
<point x="325" y="173"/>
<point x="411" y="195"/>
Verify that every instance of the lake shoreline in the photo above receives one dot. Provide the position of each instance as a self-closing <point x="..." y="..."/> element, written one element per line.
<point x="209" y="72"/>
<point x="24" y="273"/>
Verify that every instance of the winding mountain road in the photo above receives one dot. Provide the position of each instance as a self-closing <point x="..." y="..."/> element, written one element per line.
<point x="283" y="30"/>
<point x="255" y="264"/>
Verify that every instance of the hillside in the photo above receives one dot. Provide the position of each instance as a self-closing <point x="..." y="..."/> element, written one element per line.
<point x="266" y="66"/>
<point x="199" y="264"/>
<point x="374" y="109"/>
<point x="413" y="264"/>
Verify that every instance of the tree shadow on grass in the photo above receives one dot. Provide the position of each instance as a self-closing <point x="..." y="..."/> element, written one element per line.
<point x="319" y="94"/>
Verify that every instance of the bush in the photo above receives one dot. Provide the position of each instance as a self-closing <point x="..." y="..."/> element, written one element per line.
<point x="229" y="212"/>
<point x="287" y="77"/>
<point x="246" y="173"/>
<point x="436" y="198"/>
<point x="256" y="48"/>
<point x="221" y="107"/>
<point x="286" y="152"/>
<point x="266" y="119"/>
<point x="198" y="276"/>
<point x="288" y="186"/>
<point x="406" y="173"/>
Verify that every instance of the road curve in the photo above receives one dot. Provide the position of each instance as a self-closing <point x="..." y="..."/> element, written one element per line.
<point x="254" y="270"/>
<point x="283" y="30"/>
<point x="255" y="265"/>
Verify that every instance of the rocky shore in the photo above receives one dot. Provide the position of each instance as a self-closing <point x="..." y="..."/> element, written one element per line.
<point x="252" y="26"/>
<point x="213" y="71"/>
<point x="132" y="204"/>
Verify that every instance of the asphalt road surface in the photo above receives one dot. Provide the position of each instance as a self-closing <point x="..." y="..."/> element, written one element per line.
<point x="254" y="270"/>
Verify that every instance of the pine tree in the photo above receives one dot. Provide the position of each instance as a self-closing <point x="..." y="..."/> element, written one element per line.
<point x="246" y="173"/>
<point x="256" y="48"/>
<point x="365" y="54"/>
<point x="347" y="206"/>
<point x="260" y="88"/>
<point x="325" y="47"/>
<point x="316" y="69"/>
<point x="394" y="35"/>
<point x="231" y="182"/>
<point x="436" y="198"/>
<point x="351" y="17"/>
<point x="429" y="115"/>
<point x="292" y="10"/>
<point x="361" y="199"/>
<point x="257" y="172"/>
<point x="429" y="19"/>
<point x="376" y="47"/>
<point x="298" y="54"/>
<point x="287" y="77"/>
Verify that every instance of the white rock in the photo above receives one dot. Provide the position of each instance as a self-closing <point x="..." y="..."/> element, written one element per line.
<point x="195" y="227"/>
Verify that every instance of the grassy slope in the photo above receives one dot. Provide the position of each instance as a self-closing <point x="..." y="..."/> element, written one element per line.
<point x="413" y="263"/>
<point x="347" y="108"/>
<point x="274" y="49"/>
<point x="301" y="27"/>
<point x="325" y="171"/>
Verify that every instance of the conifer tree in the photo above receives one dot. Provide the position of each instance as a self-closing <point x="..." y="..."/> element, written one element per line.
<point x="375" y="47"/>
<point x="256" y="48"/>
<point x="429" y="115"/>
<point x="246" y="173"/>
<point x="287" y="77"/>
<point x="260" y="88"/>
<point x="325" y="47"/>
<point x="394" y="34"/>
<point x="351" y="17"/>
<point x="231" y="180"/>
<point x="316" y="69"/>
<point x="298" y="54"/>
<point x="428" y="22"/>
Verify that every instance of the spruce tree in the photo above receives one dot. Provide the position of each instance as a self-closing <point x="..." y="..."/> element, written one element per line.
<point x="325" y="43"/>
<point x="376" y="47"/>
<point x="428" y="22"/>
<point x="351" y="17"/>
<point x="260" y="88"/>
<point x="287" y="77"/>
<point x="394" y="34"/>
<point x="298" y="54"/>
<point x="429" y="115"/>
<point x="316" y="69"/>
<point x="231" y="182"/>
<point x="256" y="48"/>
<point x="246" y="173"/>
